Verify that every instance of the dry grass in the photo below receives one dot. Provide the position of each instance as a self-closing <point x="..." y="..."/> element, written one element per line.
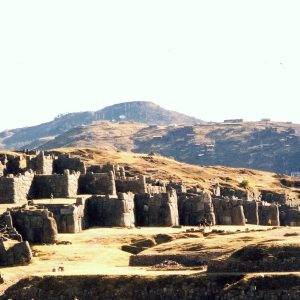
<point x="169" y="169"/>
<point x="98" y="250"/>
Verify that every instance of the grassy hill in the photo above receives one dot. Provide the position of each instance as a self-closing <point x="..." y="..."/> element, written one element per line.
<point x="272" y="147"/>
<point x="168" y="169"/>
<point x="135" y="111"/>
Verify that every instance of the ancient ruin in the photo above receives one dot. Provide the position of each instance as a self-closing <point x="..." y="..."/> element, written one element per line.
<point x="62" y="195"/>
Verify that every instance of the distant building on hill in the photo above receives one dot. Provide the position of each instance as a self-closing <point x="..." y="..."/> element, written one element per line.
<point x="234" y="121"/>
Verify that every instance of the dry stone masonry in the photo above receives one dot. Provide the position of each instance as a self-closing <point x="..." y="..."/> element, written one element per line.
<point x="106" y="196"/>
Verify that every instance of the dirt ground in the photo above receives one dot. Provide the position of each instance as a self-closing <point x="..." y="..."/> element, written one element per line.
<point x="98" y="250"/>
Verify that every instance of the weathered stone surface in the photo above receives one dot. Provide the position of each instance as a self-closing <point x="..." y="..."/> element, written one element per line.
<point x="97" y="183"/>
<point x="229" y="211"/>
<point x="65" y="162"/>
<point x="157" y="209"/>
<point x="14" y="189"/>
<point x="290" y="216"/>
<point x="110" y="211"/>
<point x="136" y="185"/>
<point x="14" y="253"/>
<point x="35" y="225"/>
<point x="193" y="208"/>
<point x="40" y="163"/>
<point x="58" y="185"/>
<point x="251" y="211"/>
<point x="268" y="214"/>
<point x="69" y="218"/>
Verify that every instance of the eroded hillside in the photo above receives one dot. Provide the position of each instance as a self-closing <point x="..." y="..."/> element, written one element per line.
<point x="265" y="146"/>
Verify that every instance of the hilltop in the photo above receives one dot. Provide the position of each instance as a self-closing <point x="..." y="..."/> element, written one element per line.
<point x="135" y="111"/>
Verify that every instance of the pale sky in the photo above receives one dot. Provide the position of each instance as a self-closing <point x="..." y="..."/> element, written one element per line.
<point x="210" y="59"/>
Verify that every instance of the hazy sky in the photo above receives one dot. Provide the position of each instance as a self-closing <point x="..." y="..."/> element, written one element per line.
<point x="211" y="59"/>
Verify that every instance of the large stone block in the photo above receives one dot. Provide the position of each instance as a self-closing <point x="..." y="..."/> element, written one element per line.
<point x="35" y="225"/>
<point x="193" y="208"/>
<point x="157" y="209"/>
<point x="110" y="210"/>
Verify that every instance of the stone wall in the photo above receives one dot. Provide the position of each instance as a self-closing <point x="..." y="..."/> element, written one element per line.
<point x="65" y="162"/>
<point x="229" y="211"/>
<point x="41" y="164"/>
<point x="290" y="217"/>
<point x="268" y="214"/>
<point x="69" y="218"/>
<point x="184" y="259"/>
<point x="59" y="185"/>
<point x="2" y="168"/>
<point x="110" y="210"/>
<point x="251" y="212"/>
<point x="14" y="253"/>
<point x="179" y="187"/>
<point x="157" y="209"/>
<point x="14" y="189"/>
<point x="136" y="185"/>
<point x="234" y="193"/>
<point x="274" y="197"/>
<point x="35" y="225"/>
<point x="194" y="207"/>
<point x="97" y="183"/>
<point x="15" y="165"/>
<point x="119" y="171"/>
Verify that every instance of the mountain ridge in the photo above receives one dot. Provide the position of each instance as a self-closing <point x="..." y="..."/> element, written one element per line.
<point x="271" y="147"/>
<point x="137" y="111"/>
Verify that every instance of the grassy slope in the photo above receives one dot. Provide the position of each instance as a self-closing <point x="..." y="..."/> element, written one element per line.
<point x="165" y="168"/>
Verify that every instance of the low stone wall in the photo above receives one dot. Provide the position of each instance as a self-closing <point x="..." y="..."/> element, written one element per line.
<point x="65" y="162"/>
<point x="155" y="189"/>
<point x="230" y="193"/>
<point x="272" y="197"/>
<point x="97" y="183"/>
<point x="35" y="225"/>
<point x="193" y="208"/>
<point x="157" y="209"/>
<point x="14" y="189"/>
<point x="190" y="260"/>
<point x="110" y="210"/>
<point x="136" y="185"/>
<point x="59" y="185"/>
<point x="69" y="218"/>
